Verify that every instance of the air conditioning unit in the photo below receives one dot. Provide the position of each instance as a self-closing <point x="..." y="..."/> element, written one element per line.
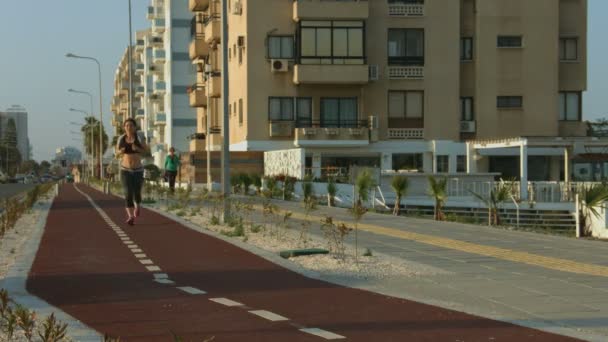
<point x="467" y="126"/>
<point x="373" y="122"/>
<point x="237" y="8"/>
<point x="374" y="72"/>
<point x="279" y="65"/>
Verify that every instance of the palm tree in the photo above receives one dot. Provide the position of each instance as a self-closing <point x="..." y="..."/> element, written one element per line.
<point x="332" y="190"/>
<point x="399" y="185"/>
<point x="92" y="124"/>
<point x="591" y="198"/>
<point x="438" y="190"/>
<point x="495" y="199"/>
<point x="363" y="185"/>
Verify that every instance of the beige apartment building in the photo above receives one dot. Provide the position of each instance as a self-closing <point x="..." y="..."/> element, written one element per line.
<point x="396" y="84"/>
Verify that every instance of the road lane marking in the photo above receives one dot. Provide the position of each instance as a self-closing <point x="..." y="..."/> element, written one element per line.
<point x="225" y="301"/>
<point x="146" y="262"/>
<point x="140" y="256"/>
<point x="191" y="290"/>
<point x="322" y="333"/>
<point x="271" y="316"/>
<point x="153" y="268"/>
<point x="164" y="281"/>
<point x="161" y="276"/>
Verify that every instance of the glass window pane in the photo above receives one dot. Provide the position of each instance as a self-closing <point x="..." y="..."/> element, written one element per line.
<point x="396" y="43"/>
<point x="415" y="43"/>
<point x="287" y="109"/>
<point x="414" y="104"/>
<point x="396" y="104"/>
<point x="348" y="112"/>
<point x="274" y="47"/>
<point x="275" y="109"/>
<point x="572" y="100"/>
<point x="304" y="109"/>
<point x="323" y="42"/>
<point x="308" y="42"/>
<point x="571" y="49"/>
<point x="329" y="112"/>
<point x="340" y="42"/>
<point x="287" y="47"/>
<point x="562" y="49"/>
<point x="355" y="42"/>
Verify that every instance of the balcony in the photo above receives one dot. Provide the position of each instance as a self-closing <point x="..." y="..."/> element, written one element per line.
<point x="198" y="5"/>
<point x="467" y="127"/>
<point x="415" y="72"/>
<point x="213" y="29"/>
<point x="281" y="129"/>
<point x="160" y="87"/>
<point x="158" y="56"/>
<point x="199" y="49"/>
<point x="139" y="91"/>
<point x="330" y="9"/>
<point x="406" y="133"/>
<point x="139" y="69"/>
<point x="215" y="86"/>
<point x="158" y="25"/>
<point x="140" y="44"/>
<point x="198" y="96"/>
<point x="155" y="41"/>
<point x="160" y="119"/>
<point x="406" y="10"/>
<point x="330" y="74"/>
<point x="140" y="113"/>
<point x="334" y="134"/>
<point x="155" y="12"/>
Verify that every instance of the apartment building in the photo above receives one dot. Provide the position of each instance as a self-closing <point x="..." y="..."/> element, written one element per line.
<point x="20" y="116"/>
<point x="162" y="73"/>
<point x="396" y="84"/>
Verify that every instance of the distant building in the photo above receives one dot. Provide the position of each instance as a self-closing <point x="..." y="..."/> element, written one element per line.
<point x="19" y="114"/>
<point x="66" y="156"/>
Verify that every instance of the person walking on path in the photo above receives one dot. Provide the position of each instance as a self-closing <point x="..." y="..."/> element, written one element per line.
<point x="171" y="166"/>
<point x="130" y="149"/>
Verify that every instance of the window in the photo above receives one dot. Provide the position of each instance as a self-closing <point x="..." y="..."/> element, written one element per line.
<point x="509" y="41"/>
<point x="509" y="102"/>
<point x="240" y="111"/>
<point x="332" y="42"/>
<point x="466" y="109"/>
<point x="568" y="49"/>
<point x="461" y="163"/>
<point x="234" y="107"/>
<point x="405" y="2"/>
<point x="240" y="55"/>
<point x="230" y="109"/>
<point x="402" y="161"/>
<point x="339" y="112"/>
<point x="303" y="112"/>
<point x="570" y="106"/>
<point x="405" y="104"/>
<point x="280" y="47"/>
<point x="466" y="49"/>
<point x="280" y="108"/>
<point x="406" y="47"/>
<point x="443" y="163"/>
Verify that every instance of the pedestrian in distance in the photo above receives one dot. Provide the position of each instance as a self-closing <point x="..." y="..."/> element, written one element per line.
<point x="131" y="148"/>
<point x="171" y="166"/>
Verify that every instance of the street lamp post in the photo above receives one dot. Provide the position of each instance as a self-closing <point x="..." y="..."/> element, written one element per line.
<point x="92" y="166"/>
<point x="71" y="55"/>
<point x="226" y="116"/>
<point x="130" y="65"/>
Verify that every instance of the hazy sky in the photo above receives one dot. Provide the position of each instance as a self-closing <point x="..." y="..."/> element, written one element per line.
<point x="36" y="34"/>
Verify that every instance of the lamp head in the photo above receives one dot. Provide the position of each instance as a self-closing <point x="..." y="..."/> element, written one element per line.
<point x="70" y="55"/>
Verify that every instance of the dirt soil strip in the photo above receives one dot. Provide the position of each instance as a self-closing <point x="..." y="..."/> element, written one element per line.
<point x="83" y="267"/>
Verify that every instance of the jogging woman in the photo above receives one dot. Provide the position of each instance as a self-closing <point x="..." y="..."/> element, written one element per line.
<point x="171" y="167"/>
<point x="130" y="148"/>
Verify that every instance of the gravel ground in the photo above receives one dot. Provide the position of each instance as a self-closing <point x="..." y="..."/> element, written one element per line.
<point x="329" y="266"/>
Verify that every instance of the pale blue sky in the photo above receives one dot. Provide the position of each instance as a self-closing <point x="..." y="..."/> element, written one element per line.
<point x="35" y="36"/>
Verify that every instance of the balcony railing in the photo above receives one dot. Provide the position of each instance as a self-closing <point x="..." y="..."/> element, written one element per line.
<point x="198" y="47"/>
<point x="139" y="91"/>
<point x="198" y="95"/>
<point x="406" y="10"/>
<point x="158" y="25"/>
<point x="139" y="68"/>
<point x="198" y="5"/>
<point x="332" y="123"/>
<point x="330" y="74"/>
<point x="405" y="133"/>
<point x="160" y="87"/>
<point x="405" y="72"/>
<point x="159" y="55"/>
<point x="140" y="112"/>
<point x="330" y="9"/>
<point x="160" y="118"/>
<point x="212" y="28"/>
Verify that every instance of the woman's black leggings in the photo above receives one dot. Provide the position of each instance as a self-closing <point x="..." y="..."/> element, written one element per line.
<point x="132" y="182"/>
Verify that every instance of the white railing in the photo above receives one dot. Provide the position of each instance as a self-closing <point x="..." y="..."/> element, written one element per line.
<point x="412" y="10"/>
<point x="406" y="133"/>
<point x="405" y="72"/>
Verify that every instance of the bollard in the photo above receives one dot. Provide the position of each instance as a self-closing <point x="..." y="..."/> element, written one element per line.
<point x="56" y="189"/>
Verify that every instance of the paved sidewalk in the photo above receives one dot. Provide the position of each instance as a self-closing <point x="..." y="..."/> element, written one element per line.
<point x="142" y="282"/>
<point x="554" y="283"/>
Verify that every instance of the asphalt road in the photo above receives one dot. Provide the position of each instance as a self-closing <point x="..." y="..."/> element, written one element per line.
<point x="8" y="190"/>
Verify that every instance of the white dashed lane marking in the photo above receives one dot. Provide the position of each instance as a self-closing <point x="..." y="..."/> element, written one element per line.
<point x="322" y="333"/>
<point x="191" y="290"/>
<point x="136" y="250"/>
<point x="225" y="301"/>
<point x="146" y="262"/>
<point x="271" y="316"/>
<point x="161" y="276"/>
<point x="153" y="268"/>
<point x="140" y="256"/>
<point x="133" y="246"/>
<point x="164" y="281"/>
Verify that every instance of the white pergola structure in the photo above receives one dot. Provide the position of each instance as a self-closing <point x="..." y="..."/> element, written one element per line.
<point x="569" y="146"/>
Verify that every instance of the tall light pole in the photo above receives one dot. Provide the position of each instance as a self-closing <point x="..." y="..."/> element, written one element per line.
<point x="71" y="55"/>
<point x="130" y="65"/>
<point x="92" y="140"/>
<point x="91" y="154"/>
<point x="226" y="121"/>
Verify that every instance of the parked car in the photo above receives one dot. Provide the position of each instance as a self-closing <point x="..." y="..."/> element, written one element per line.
<point x="69" y="178"/>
